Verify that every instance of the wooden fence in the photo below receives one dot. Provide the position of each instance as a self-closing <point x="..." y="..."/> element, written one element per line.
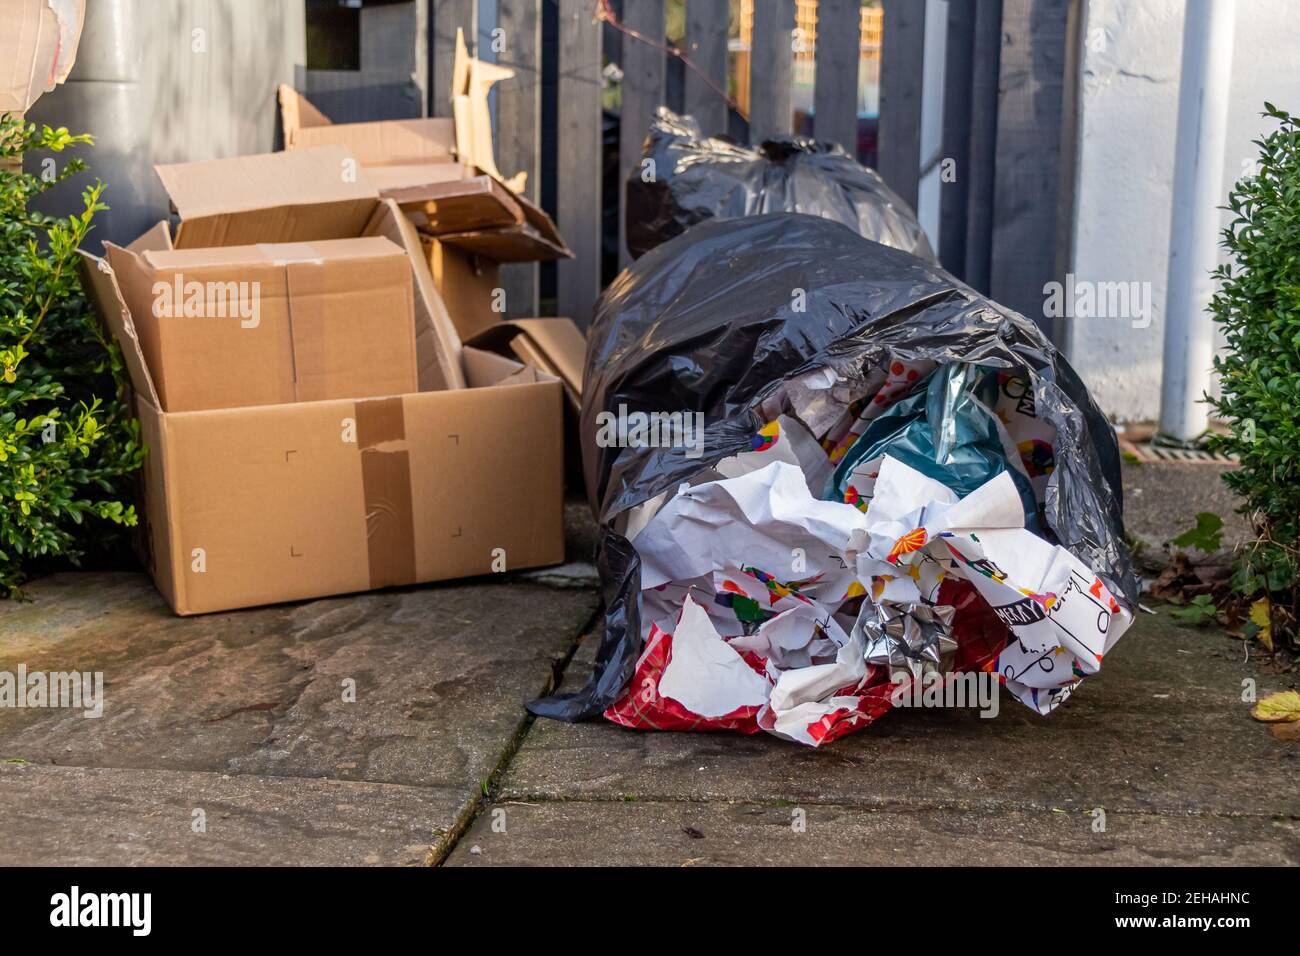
<point x="828" y="37"/>
<point x="976" y="108"/>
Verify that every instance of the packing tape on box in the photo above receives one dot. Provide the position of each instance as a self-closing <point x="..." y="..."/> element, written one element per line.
<point x="386" y="484"/>
<point x="284" y="253"/>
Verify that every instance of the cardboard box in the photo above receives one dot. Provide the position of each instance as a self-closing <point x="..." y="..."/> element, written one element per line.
<point x="279" y="322"/>
<point x="254" y="505"/>
<point x="306" y="196"/>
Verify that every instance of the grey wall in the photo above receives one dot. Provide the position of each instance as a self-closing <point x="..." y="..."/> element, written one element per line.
<point x="164" y="81"/>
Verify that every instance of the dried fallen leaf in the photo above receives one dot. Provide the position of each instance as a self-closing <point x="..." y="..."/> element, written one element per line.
<point x="1261" y="617"/>
<point x="1288" y="731"/>
<point x="1278" y="708"/>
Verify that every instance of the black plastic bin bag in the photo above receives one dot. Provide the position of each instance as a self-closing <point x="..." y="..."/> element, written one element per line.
<point x="697" y="178"/>
<point x="764" y="347"/>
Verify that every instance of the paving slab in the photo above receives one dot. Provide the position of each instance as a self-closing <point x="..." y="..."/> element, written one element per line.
<point x="1162" y="499"/>
<point x="91" y="816"/>
<point x="745" y="833"/>
<point x="439" y="672"/>
<point x="1162" y="728"/>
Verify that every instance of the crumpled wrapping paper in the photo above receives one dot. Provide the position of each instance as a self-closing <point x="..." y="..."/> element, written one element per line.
<point x="770" y="609"/>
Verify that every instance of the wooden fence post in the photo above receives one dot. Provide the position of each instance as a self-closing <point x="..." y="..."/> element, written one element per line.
<point x="447" y="16"/>
<point x="706" y="46"/>
<point x="771" y="69"/>
<point x="519" y="123"/>
<point x="835" y="94"/>
<point x="1032" y="83"/>
<point x="578" y="163"/>
<point x="643" y="90"/>
<point x="902" y="62"/>
<point x="982" y="153"/>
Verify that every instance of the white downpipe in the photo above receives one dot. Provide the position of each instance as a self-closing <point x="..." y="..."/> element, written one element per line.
<point x="1194" y="226"/>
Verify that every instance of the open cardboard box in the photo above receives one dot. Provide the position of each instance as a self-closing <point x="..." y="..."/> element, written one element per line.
<point x="415" y="163"/>
<point x="470" y="221"/>
<point x="255" y="505"/>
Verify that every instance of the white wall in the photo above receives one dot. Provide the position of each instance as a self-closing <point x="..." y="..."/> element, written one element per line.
<point x="1128" y="114"/>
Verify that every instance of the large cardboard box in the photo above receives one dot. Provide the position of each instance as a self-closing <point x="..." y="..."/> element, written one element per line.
<point x="278" y="322"/>
<point x="254" y="505"/>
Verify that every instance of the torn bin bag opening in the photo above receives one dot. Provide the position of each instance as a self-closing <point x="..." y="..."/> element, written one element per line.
<point x="685" y="178"/>
<point x="825" y="472"/>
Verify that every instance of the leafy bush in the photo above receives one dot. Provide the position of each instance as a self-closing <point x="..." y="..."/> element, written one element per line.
<point x="1258" y="308"/>
<point x="68" y="444"/>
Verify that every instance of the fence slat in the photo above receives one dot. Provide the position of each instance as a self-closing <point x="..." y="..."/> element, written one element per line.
<point x="578" y="162"/>
<point x="771" y="69"/>
<point x="447" y="16"/>
<point x="643" y="90"/>
<point x="1031" y="88"/>
<point x="957" y="90"/>
<point x="519" y="124"/>
<point x="835" y="95"/>
<point x="706" y="46"/>
<point x="983" y="143"/>
<point x="902" y="61"/>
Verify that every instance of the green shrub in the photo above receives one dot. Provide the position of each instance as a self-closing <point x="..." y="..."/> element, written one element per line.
<point x="68" y="444"/>
<point x="1258" y="308"/>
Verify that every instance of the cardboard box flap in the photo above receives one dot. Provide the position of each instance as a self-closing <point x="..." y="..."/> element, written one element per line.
<point x="460" y="205"/>
<point x="536" y="233"/>
<point x="544" y="225"/>
<point x="157" y="239"/>
<point x="428" y="141"/>
<point x="306" y="194"/>
<point x="298" y="113"/>
<point x="513" y="244"/>
<point x="100" y="282"/>
<point x="408" y="183"/>
<point x="487" y="369"/>
<point x="556" y="347"/>
<point x="437" y="346"/>
<point x="563" y="343"/>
